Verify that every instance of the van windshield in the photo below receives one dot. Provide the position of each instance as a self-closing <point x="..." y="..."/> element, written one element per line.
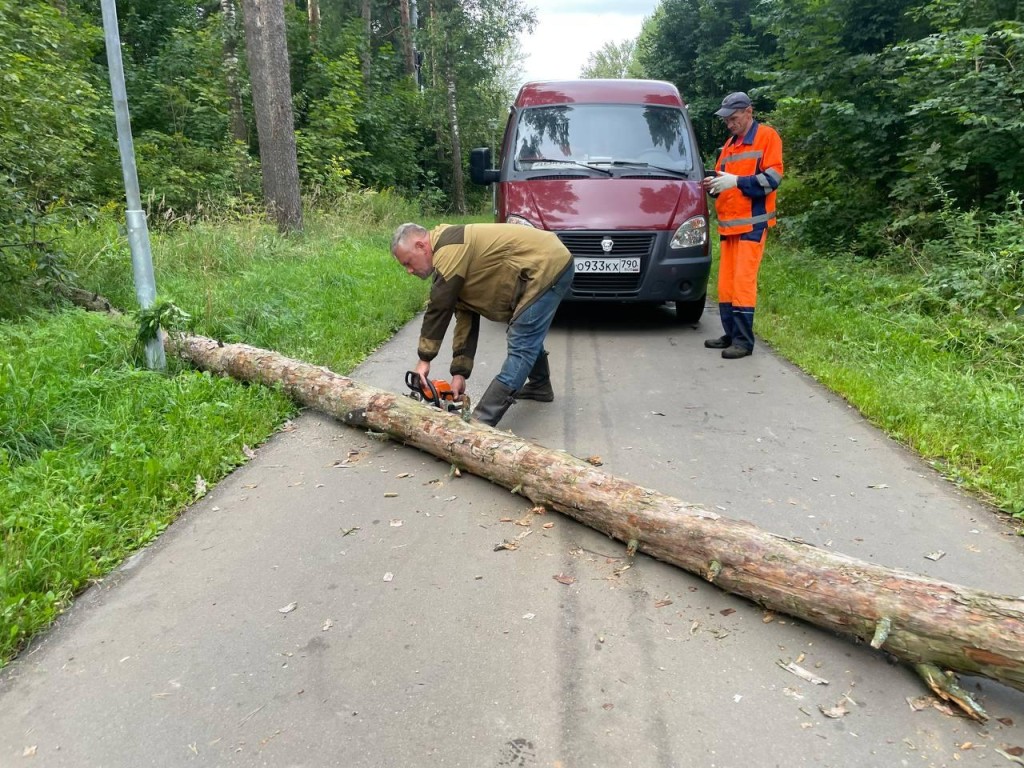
<point x="563" y="137"/>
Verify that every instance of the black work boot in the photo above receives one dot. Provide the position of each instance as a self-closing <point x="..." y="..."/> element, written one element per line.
<point x="735" y="352"/>
<point x="494" y="403"/>
<point x="722" y="342"/>
<point x="538" y="384"/>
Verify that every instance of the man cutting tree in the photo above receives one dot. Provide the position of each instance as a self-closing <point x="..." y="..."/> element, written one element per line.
<point x="504" y="272"/>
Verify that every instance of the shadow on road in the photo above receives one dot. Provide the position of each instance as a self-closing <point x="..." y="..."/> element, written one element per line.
<point x="612" y="315"/>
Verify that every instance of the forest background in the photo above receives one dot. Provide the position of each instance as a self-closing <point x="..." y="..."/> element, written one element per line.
<point x="895" y="114"/>
<point x="897" y="277"/>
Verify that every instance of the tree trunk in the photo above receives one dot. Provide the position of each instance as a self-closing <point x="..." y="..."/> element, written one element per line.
<point x="434" y="34"/>
<point x="267" y="49"/>
<point x="313" y="9"/>
<point x="458" y="182"/>
<point x="366" y="53"/>
<point x="239" y="129"/>
<point x="408" y="52"/>
<point x="920" y="620"/>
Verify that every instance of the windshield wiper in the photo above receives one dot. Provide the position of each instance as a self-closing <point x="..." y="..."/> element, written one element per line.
<point x="642" y="164"/>
<point x="567" y="162"/>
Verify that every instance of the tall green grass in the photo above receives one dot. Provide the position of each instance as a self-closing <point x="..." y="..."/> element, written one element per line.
<point x="328" y="295"/>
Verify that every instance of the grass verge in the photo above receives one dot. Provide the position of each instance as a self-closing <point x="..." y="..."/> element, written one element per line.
<point x="950" y="386"/>
<point x="98" y="456"/>
<point x="328" y="295"/>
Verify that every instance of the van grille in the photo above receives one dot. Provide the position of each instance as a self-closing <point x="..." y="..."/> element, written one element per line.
<point x="609" y="285"/>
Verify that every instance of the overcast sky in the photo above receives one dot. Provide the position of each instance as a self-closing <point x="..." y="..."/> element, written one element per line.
<point x="568" y="31"/>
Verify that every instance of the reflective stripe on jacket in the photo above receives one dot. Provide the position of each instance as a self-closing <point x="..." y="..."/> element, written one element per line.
<point x="757" y="160"/>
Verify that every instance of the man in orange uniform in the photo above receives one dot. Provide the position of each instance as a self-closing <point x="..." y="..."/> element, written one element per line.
<point x="748" y="172"/>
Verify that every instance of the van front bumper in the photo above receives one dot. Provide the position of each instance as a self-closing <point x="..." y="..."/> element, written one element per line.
<point x="665" y="274"/>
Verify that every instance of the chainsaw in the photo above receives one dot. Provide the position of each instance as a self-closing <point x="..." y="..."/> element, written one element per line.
<point x="437" y="393"/>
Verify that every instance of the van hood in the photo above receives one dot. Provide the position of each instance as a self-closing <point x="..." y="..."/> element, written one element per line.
<point x="605" y="203"/>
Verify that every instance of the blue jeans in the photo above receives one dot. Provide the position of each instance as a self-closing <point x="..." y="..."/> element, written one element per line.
<point x="527" y="332"/>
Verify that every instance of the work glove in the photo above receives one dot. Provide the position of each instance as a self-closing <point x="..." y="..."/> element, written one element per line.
<point x="722" y="182"/>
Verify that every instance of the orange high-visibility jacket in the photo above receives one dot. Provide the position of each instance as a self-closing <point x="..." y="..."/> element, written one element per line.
<point x="757" y="160"/>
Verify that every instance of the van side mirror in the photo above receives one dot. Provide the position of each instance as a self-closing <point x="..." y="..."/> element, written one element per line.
<point x="480" y="170"/>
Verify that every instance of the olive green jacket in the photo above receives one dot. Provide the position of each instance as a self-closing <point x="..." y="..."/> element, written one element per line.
<point x="490" y="270"/>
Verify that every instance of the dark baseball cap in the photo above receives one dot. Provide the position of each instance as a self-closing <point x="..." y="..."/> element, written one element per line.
<point x="733" y="103"/>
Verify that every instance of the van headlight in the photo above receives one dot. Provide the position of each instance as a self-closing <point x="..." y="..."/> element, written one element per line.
<point x="692" y="232"/>
<point x="513" y="219"/>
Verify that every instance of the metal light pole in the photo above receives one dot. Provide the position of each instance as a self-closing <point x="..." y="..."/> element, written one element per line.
<point x="138" y="233"/>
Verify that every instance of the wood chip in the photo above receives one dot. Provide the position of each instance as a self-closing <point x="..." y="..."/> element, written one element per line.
<point x="1011" y="757"/>
<point x="839" y="710"/>
<point x="917" y="703"/>
<point x="802" y="673"/>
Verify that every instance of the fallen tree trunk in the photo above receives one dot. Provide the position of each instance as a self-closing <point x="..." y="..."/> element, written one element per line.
<point x="923" y="621"/>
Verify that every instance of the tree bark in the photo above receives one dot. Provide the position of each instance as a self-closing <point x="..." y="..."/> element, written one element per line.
<point x="366" y="53"/>
<point x="80" y="297"/>
<point x="267" y="54"/>
<point x="452" y="102"/>
<point x="239" y="129"/>
<point x="408" y="52"/>
<point x="920" y="620"/>
<point x="313" y="10"/>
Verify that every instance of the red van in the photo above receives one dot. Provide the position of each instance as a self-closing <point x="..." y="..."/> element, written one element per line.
<point x="612" y="167"/>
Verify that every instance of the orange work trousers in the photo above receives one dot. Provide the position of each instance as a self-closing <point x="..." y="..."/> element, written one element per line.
<point x="737" y="286"/>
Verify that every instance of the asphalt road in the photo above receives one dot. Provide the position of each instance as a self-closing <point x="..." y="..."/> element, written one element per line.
<point x="410" y="641"/>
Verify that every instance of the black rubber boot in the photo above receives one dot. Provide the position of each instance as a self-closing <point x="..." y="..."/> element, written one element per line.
<point x="494" y="403"/>
<point x="538" y="384"/>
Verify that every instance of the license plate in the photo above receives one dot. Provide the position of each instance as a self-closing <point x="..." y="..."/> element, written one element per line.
<point x="607" y="265"/>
